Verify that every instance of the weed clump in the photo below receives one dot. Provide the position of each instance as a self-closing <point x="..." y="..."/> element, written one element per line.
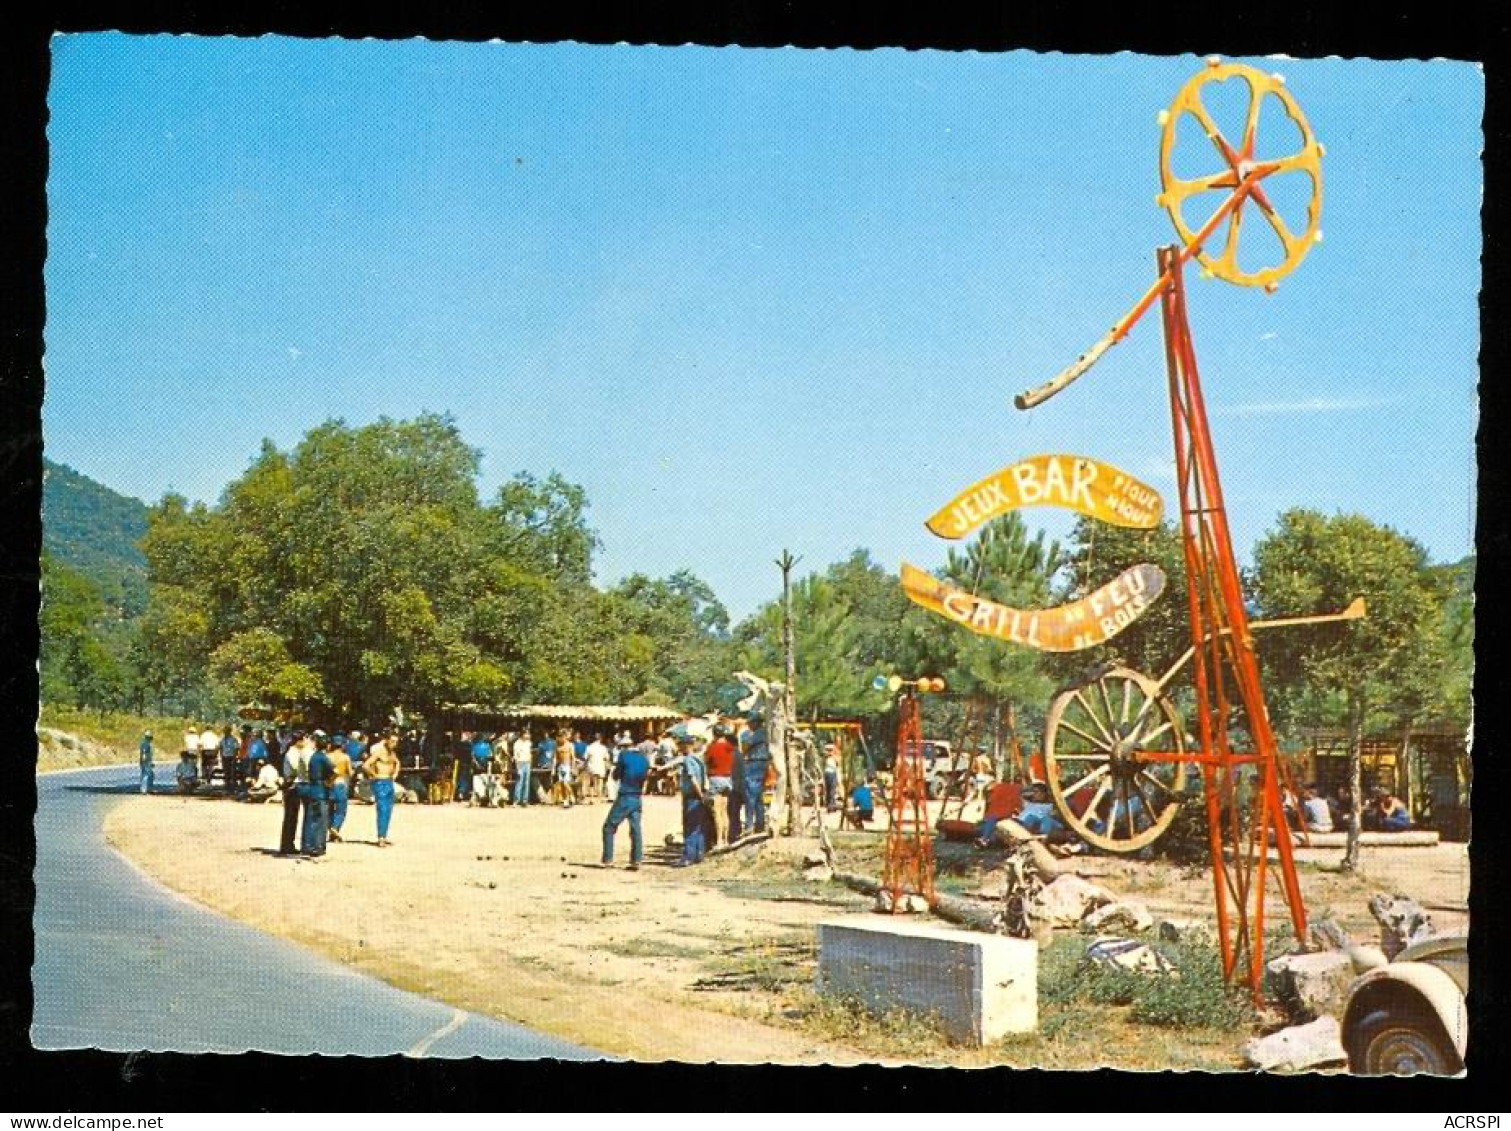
<point x="849" y="1020"/>
<point x="1194" y="997"/>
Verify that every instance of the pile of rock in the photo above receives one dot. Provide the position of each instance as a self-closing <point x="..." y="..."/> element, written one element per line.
<point x="1313" y="987"/>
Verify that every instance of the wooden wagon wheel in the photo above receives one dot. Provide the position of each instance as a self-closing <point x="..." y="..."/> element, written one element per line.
<point x="1235" y="164"/>
<point x="1114" y="756"/>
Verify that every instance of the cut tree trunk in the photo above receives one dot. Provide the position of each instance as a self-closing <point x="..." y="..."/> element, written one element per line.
<point x="972" y="913"/>
<point x="1355" y="782"/>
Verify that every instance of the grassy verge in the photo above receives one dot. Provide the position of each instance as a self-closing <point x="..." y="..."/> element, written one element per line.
<point x="1088" y="1017"/>
<point x="105" y="738"/>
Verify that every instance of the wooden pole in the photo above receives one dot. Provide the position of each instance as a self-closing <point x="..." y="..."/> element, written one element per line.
<point x="792" y="795"/>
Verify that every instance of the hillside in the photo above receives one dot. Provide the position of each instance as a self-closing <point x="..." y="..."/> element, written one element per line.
<point x="94" y="531"/>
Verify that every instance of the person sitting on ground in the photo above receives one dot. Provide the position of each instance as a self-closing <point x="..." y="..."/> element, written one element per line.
<point x="1314" y="810"/>
<point x="1290" y="807"/>
<point x="862" y="806"/>
<point x="187" y="774"/>
<point x="266" y="785"/>
<point x="1341" y="807"/>
<point x="1394" y="817"/>
<point x="1036" y="816"/>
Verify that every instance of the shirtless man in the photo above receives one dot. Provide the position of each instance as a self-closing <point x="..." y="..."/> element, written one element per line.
<point x="382" y="766"/>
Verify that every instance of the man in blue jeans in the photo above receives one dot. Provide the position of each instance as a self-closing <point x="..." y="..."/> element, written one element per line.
<point x="144" y="757"/>
<point x="692" y="783"/>
<point x="1036" y="814"/>
<point x="521" y="753"/>
<point x="316" y="793"/>
<point x="756" y="756"/>
<point x="630" y="772"/>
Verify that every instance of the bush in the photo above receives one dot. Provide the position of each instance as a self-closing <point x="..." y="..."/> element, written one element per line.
<point x="1198" y="998"/>
<point x="850" y="1020"/>
<point x="1185" y="841"/>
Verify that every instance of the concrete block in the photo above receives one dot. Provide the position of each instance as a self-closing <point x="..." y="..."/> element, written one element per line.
<point x="981" y="986"/>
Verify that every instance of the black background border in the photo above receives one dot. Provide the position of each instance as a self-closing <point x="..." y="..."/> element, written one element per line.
<point x="87" y="1081"/>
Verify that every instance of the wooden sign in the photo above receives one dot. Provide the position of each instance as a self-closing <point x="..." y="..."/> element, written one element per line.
<point x="1074" y="482"/>
<point x="1094" y="619"/>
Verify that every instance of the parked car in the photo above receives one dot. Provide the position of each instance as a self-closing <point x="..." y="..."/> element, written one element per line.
<point x="1407" y="1015"/>
<point x="944" y="769"/>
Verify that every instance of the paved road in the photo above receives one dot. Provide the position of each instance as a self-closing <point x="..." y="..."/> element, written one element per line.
<point x="123" y="964"/>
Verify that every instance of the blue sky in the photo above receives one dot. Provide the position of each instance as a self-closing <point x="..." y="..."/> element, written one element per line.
<point x="750" y="299"/>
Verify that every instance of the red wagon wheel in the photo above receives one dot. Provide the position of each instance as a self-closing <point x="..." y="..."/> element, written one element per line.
<point x="1114" y="756"/>
<point x="1236" y="163"/>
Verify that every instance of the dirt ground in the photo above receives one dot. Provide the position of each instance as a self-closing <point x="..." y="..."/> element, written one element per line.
<point x="505" y="912"/>
<point x="500" y="911"/>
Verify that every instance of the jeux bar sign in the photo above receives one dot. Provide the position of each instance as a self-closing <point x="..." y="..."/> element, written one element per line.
<point x="1075" y="482"/>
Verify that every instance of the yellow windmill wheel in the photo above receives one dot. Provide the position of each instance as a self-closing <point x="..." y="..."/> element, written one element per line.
<point x="1247" y="160"/>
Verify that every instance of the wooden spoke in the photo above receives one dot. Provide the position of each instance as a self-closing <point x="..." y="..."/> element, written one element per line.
<point x="1251" y="122"/>
<point x="1214" y="135"/>
<point x="1070" y="726"/>
<point x="1180" y="189"/>
<point x="1090" y="763"/>
<point x="1076" y="787"/>
<point x="1287" y="240"/>
<point x="1107" y="702"/>
<point x="1230" y="246"/>
<point x="1297" y="162"/>
<point x="1096" y="799"/>
<point x="1145" y="739"/>
<point x="1152" y="780"/>
<point x="1085" y="706"/>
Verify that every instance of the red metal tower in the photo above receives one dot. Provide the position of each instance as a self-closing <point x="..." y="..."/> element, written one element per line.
<point x="1225" y="669"/>
<point x="909" y="865"/>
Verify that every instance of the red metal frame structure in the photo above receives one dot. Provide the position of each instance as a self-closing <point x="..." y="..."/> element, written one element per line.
<point x="909" y="865"/>
<point x="1224" y="663"/>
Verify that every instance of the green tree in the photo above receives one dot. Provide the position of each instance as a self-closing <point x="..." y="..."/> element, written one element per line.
<point x="1386" y="662"/>
<point x="83" y="655"/>
<point x="255" y="666"/>
<point x="361" y="568"/>
<point x="1099" y="552"/>
<point x="540" y="524"/>
<point x="683" y="633"/>
<point x="1006" y="565"/>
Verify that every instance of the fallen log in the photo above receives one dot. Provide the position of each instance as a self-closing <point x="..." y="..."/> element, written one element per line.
<point x="743" y="842"/>
<point x="972" y="913"/>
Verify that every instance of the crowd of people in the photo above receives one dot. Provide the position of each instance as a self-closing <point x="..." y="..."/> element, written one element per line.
<point x="1312" y="812"/>
<point x="724" y="779"/>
